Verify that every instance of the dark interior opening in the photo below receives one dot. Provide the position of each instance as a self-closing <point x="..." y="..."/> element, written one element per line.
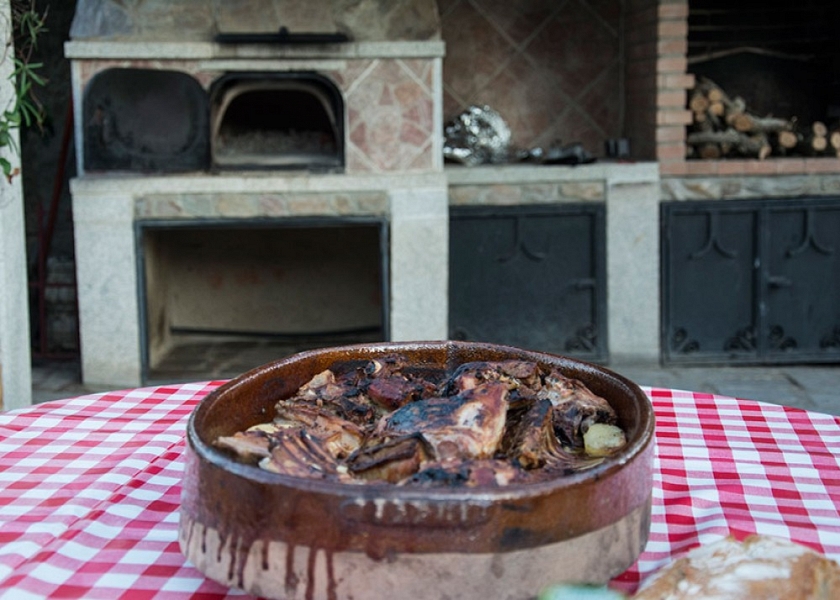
<point x="284" y="120"/>
<point x="221" y="298"/>
<point x="781" y="57"/>
<point x="145" y="120"/>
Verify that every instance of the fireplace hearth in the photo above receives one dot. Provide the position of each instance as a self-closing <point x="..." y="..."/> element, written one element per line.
<point x="241" y="290"/>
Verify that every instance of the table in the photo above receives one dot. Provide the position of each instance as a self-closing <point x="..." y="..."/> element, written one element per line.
<point x="90" y="488"/>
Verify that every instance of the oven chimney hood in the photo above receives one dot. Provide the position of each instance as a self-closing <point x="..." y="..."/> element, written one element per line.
<point x="333" y="21"/>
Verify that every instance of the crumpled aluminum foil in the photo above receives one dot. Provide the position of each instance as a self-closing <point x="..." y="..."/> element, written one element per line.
<point x="479" y="135"/>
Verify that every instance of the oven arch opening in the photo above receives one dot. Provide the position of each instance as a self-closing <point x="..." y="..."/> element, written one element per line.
<point x="290" y="120"/>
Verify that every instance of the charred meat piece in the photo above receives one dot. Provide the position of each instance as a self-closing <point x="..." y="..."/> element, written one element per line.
<point x="355" y="407"/>
<point x="255" y="442"/>
<point x="531" y="442"/>
<point x="393" y="391"/>
<point x="385" y="366"/>
<point x="576" y="407"/>
<point x="469" y="425"/>
<point x="513" y="373"/>
<point x="390" y="386"/>
<point x="367" y="391"/>
<point x="390" y="461"/>
<point x="338" y="394"/>
<point x="322" y="386"/>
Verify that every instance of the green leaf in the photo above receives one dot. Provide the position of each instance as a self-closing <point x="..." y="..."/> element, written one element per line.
<point x="37" y="78"/>
<point x="7" y="167"/>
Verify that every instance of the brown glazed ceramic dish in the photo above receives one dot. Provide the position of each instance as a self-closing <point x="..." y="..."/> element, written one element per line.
<point x="284" y="537"/>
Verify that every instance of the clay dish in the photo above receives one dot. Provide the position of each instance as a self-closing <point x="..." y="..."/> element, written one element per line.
<point x="284" y="537"/>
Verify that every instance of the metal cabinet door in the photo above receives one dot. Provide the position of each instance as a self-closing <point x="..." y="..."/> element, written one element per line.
<point x="709" y="282"/>
<point x="801" y="275"/>
<point x="529" y="276"/>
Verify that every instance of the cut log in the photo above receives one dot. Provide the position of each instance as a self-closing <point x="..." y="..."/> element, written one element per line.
<point x="787" y="140"/>
<point x="742" y="122"/>
<point x="737" y="107"/>
<point x="715" y="94"/>
<point x="764" y="148"/>
<point x="816" y="144"/>
<point x="698" y="103"/>
<point x="717" y="108"/>
<point x="834" y="140"/>
<point x="819" y="129"/>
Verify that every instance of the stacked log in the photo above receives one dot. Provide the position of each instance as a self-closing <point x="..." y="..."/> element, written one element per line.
<point x="834" y="141"/>
<point x="723" y="127"/>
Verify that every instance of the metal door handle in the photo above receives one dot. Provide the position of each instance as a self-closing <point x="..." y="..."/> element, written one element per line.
<point x="778" y="281"/>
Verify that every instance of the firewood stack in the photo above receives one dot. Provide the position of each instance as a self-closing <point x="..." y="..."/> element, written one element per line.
<point x="722" y="127"/>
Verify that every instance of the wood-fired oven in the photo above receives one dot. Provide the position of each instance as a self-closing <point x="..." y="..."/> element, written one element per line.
<point x="216" y="145"/>
<point x="276" y="120"/>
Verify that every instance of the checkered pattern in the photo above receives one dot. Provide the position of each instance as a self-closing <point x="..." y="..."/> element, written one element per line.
<point x="90" y="488"/>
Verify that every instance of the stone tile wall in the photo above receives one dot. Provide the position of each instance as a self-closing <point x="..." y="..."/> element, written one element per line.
<point x="553" y="70"/>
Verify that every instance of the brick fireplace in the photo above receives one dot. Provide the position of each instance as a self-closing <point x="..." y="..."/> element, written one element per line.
<point x="784" y="208"/>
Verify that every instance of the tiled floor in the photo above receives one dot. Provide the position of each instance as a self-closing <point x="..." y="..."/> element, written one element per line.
<point x="814" y="388"/>
<point x="810" y="387"/>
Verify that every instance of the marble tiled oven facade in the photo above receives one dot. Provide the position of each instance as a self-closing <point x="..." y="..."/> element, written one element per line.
<point x="389" y="87"/>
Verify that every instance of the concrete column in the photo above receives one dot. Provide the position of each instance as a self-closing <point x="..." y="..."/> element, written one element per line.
<point x="633" y="266"/>
<point x="106" y="267"/>
<point x="15" y="358"/>
<point x="419" y="263"/>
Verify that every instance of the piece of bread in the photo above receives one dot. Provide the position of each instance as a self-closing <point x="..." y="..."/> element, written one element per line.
<point x="759" y="568"/>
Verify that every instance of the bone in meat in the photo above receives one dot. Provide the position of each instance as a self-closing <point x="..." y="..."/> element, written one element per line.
<point x="340" y="436"/>
<point x="299" y="454"/>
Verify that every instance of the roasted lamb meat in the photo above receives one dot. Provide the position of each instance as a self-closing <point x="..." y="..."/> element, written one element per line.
<point x="487" y="424"/>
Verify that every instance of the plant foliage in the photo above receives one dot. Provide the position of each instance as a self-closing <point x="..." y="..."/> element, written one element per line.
<point x="25" y="108"/>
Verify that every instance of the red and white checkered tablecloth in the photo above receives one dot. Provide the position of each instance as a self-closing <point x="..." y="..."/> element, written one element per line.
<point x="90" y="488"/>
